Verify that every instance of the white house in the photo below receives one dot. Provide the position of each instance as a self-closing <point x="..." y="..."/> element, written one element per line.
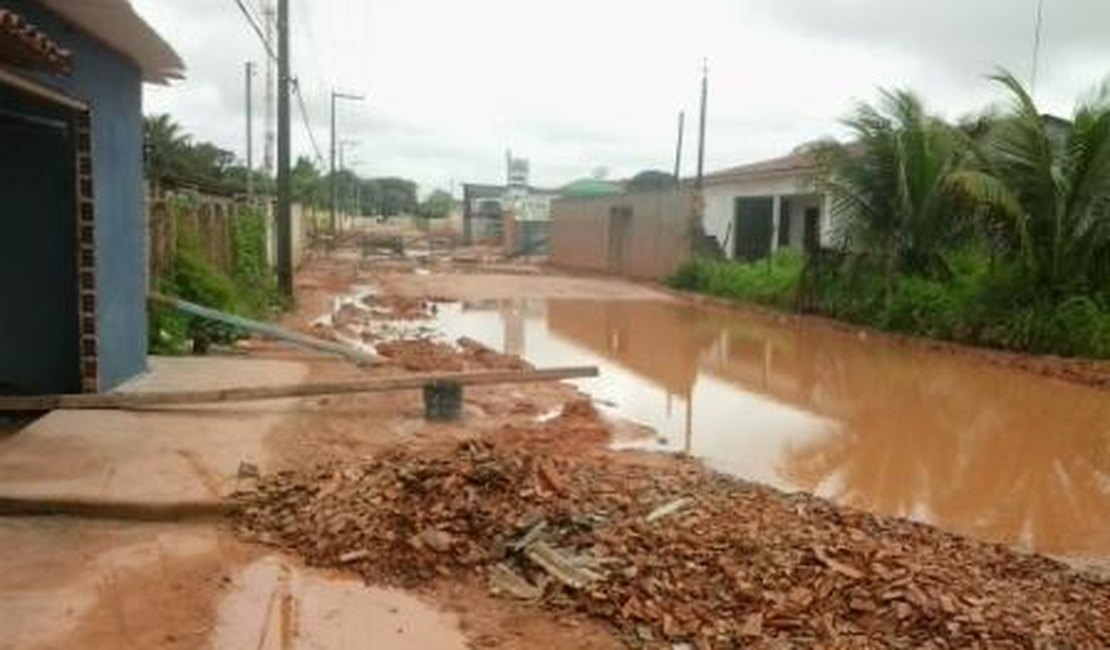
<point x="755" y="209"/>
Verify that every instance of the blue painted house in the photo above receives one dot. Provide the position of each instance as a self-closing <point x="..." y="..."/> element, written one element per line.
<point x="72" y="257"/>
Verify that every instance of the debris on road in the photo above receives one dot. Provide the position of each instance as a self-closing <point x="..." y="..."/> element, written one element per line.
<point x="394" y="307"/>
<point x="747" y="565"/>
<point x="668" y="509"/>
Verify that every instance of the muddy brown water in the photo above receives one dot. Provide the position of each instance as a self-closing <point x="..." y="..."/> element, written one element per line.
<point x="976" y="448"/>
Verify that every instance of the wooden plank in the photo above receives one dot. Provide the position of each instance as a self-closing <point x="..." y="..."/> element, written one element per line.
<point x="381" y="384"/>
<point x="87" y="508"/>
<point x="269" y="330"/>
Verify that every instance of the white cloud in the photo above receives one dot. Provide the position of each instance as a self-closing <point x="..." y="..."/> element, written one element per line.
<point x="580" y="83"/>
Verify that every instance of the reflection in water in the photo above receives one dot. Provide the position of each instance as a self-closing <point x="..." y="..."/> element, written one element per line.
<point x="1006" y="456"/>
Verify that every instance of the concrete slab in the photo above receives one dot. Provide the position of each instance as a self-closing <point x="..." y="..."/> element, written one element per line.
<point x="155" y="456"/>
<point x="67" y="583"/>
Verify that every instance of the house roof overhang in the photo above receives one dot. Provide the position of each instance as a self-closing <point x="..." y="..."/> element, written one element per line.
<point x="115" y="23"/>
<point x="794" y="165"/>
<point x="24" y="46"/>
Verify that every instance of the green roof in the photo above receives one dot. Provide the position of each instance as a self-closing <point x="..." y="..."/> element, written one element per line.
<point x="590" y="187"/>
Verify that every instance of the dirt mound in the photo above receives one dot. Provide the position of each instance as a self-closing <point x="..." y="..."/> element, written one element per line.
<point x="479" y="354"/>
<point x="421" y="355"/>
<point x="673" y="553"/>
<point x="576" y="429"/>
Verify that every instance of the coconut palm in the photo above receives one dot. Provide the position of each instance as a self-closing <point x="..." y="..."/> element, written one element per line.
<point x="890" y="188"/>
<point x="1046" y="183"/>
<point x="165" y="146"/>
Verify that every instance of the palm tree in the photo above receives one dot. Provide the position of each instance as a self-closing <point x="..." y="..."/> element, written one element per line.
<point x="1046" y="182"/>
<point x="164" y="145"/>
<point x="890" y="188"/>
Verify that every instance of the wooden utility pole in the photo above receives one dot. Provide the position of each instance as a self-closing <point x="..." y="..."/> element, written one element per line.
<point x="249" y="73"/>
<point x="284" y="197"/>
<point x="678" y="148"/>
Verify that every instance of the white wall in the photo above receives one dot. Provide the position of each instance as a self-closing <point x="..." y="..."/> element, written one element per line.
<point x="720" y="206"/>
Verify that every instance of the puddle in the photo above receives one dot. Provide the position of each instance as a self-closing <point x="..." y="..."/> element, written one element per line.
<point x="276" y="605"/>
<point x="1003" y="455"/>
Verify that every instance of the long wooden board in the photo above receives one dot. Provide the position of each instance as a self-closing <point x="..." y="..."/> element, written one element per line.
<point x="125" y="400"/>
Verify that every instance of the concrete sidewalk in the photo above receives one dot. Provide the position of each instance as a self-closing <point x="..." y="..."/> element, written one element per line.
<point x="100" y="585"/>
<point x="157" y="456"/>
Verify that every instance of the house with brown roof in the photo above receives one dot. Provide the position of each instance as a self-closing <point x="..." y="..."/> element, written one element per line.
<point x="72" y="259"/>
<point x="755" y="209"/>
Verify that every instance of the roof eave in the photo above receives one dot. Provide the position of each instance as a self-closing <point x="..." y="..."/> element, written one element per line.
<point x="742" y="177"/>
<point x="116" y="24"/>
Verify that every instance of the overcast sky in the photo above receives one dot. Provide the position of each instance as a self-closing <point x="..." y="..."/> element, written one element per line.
<point x="577" y="84"/>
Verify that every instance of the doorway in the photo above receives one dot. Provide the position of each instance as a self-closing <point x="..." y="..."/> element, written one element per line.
<point x="620" y="220"/>
<point x="40" y="334"/>
<point x="754" y="226"/>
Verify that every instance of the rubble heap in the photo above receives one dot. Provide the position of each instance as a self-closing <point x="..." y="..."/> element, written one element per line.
<point x="672" y="553"/>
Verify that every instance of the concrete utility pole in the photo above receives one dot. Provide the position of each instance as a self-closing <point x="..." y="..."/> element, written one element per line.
<point x="678" y="148"/>
<point x="334" y="144"/>
<point x="701" y="125"/>
<point x="249" y="73"/>
<point x="284" y="208"/>
<point x="268" y="148"/>
<point x="1036" y="48"/>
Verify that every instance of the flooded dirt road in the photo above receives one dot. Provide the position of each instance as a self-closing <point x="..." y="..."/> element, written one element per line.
<point x="998" y="454"/>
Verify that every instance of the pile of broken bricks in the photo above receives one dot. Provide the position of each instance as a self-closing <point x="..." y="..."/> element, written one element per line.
<point x="671" y="554"/>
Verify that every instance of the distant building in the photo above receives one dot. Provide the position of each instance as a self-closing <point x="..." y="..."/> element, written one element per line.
<point x="72" y="260"/>
<point x="516" y="216"/>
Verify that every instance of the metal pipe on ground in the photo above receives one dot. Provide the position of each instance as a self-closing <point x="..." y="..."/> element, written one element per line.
<point x="268" y="330"/>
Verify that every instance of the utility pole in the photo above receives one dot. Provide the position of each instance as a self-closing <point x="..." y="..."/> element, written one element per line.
<point x="678" y="148"/>
<point x="701" y="125"/>
<point x="249" y="73"/>
<point x="334" y="144"/>
<point x="268" y="148"/>
<point x="284" y="208"/>
<point x="1036" y="48"/>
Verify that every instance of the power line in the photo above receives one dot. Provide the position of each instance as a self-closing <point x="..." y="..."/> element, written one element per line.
<point x="307" y="122"/>
<point x="295" y="83"/>
<point x="257" y="30"/>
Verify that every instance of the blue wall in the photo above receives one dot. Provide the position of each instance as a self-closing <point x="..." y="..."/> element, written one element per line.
<point x="111" y="85"/>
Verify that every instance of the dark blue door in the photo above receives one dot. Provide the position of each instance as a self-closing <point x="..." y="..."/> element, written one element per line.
<point x="39" y="341"/>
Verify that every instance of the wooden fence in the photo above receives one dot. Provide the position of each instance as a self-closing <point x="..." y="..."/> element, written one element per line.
<point x="203" y="220"/>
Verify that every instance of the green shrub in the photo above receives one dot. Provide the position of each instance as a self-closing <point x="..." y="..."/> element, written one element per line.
<point x="975" y="301"/>
<point x="923" y="306"/>
<point x="769" y="282"/>
<point x="1078" y="326"/>
<point x="255" y="285"/>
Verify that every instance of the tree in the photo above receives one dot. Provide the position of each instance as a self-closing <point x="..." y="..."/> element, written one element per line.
<point x="651" y="179"/>
<point x="437" y="205"/>
<point x="1046" y="182"/>
<point x="305" y="182"/>
<point x="164" y="145"/>
<point x="396" y="196"/>
<point x="891" y="189"/>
